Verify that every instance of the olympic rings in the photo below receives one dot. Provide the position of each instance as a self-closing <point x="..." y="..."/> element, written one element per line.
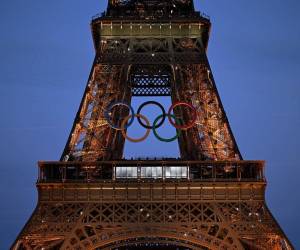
<point x="110" y="107"/>
<point x="129" y="138"/>
<point x="163" y="114"/>
<point x="192" y="122"/>
<point x="175" y="121"/>
<point x="178" y="132"/>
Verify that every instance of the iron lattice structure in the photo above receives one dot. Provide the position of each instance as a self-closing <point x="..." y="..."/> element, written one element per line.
<point x="151" y="48"/>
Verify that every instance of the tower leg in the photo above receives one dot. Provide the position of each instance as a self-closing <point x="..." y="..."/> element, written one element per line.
<point x="211" y="139"/>
<point x="92" y="138"/>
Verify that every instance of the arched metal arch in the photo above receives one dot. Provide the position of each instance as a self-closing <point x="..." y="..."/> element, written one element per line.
<point x="154" y="241"/>
<point x="119" y="236"/>
<point x="158" y="237"/>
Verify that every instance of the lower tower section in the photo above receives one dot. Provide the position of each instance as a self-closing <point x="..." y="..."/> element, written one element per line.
<point x="221" y="208"/>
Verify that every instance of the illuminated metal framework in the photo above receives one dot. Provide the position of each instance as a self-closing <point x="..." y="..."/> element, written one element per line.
<point x="209" y="198"/>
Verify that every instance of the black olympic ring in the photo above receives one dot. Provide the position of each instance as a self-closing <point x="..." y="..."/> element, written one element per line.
<point x="163" y="115"/>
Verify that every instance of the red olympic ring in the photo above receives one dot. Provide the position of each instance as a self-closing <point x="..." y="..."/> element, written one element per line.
<point x="191" y="123"/>
<point x="132" y="139"/>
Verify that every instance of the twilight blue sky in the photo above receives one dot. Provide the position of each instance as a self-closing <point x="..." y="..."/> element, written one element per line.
<point x="46" y="53"/>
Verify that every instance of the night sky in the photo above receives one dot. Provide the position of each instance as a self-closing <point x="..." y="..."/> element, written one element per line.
<point x="46" y="52"/>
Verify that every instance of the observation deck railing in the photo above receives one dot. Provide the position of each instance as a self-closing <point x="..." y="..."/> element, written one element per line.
<point x="203" y="171"/>
<point x="150" y="16"/>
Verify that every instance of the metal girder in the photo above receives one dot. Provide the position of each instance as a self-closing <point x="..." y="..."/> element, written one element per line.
<point x="211" y="224"/>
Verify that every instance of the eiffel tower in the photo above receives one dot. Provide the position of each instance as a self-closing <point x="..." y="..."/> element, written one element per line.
<point x="209" y="198"/>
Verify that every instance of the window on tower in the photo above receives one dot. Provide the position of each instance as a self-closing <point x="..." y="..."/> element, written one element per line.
<point x="152" y="172"/>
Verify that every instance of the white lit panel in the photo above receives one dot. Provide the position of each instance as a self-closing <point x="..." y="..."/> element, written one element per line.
<point x="152" y="172"/>
<point x="176" y="172"/>
<point x="126" y="172"/>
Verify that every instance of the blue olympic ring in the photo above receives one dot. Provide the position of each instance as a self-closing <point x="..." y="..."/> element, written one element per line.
<point x="107" y="114"/>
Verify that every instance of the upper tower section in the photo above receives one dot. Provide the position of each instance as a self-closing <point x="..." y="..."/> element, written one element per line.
<point x="150" y="19"/>
<point x="151" y="9"/>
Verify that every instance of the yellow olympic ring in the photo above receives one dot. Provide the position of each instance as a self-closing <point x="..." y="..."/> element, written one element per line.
<point x="129" y="138"/>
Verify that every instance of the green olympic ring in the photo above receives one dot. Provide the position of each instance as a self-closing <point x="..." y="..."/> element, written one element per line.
<point x="178" y="132"/>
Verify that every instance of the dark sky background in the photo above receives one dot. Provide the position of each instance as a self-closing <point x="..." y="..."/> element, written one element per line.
<point x="46" y="53"/>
